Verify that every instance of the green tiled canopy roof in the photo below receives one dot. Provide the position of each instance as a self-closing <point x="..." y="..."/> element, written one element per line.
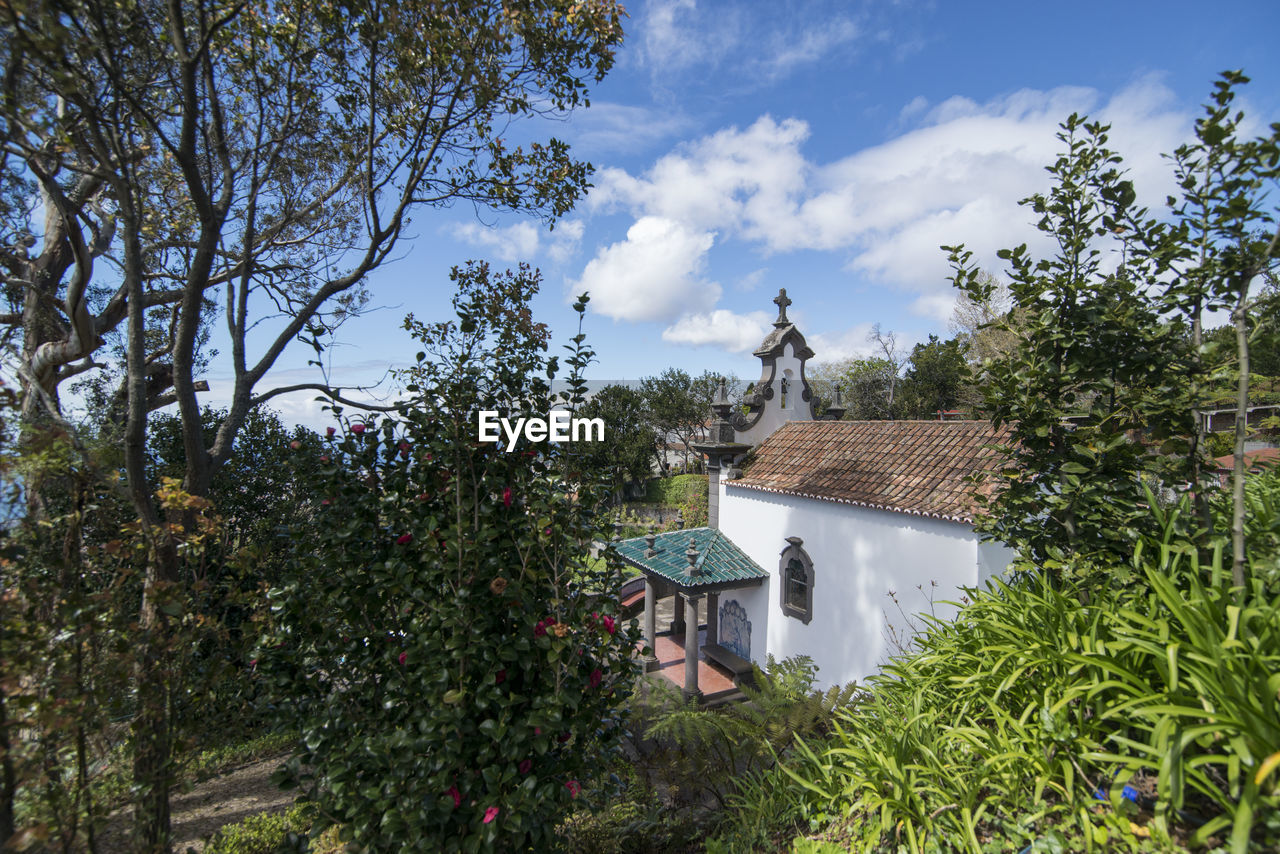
<point x="719" y="560"/>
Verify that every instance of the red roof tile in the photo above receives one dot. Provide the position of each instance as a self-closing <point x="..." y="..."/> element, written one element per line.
<point x="1252" y="459"/>
<point x="919" y="467"/>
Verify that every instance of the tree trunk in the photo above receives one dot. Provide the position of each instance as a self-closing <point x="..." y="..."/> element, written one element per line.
<point x="1240" y="318"/>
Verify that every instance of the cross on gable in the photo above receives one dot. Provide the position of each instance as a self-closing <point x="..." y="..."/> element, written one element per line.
<point x="781" y="302"/>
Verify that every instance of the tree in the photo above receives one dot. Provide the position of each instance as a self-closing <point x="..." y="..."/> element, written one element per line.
<point x="677" y="411"/>
<point x="258" y="160"/>
<point x="936" y="379"/>
<point x="990" y="328"/>
<point x="1101" y="397"/>
<point x="626" y="454"/>
<point x="455" y="672"/>
<point x="864" y="386"/>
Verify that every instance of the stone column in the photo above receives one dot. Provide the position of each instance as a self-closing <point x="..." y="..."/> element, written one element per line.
<point x="713" y="617"/>
<point x="677" y="622"/>
<point x="713" y="490"/>
<point x="650" y="624"/>
<point x="691" y="689"/>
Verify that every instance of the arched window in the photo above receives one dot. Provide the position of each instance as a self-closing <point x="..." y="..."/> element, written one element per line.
<point x="796" y="575"/>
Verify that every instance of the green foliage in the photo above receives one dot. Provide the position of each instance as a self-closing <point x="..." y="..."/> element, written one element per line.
<point x="264" y="833"/>
<point x="936" y="379"/>
<point x="455" y="681"/>
<point x="675" y="491"/>
<point x="626" y="454"/>
<point x="1007" y="722"/>
<point x="678" y="405"/>
<point x="709" y="750"/>
<point x="1099" y="396"/>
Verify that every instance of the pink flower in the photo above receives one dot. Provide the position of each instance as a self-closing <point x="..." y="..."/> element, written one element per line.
<point x="537" y="730"/>
<point x="506" y="497"/>
<point x="324" y="459"/>
<point x="404" y="539"/>
<point x="609" y="624"/>
<point x="547" y="531"/>
<point x="500" y="677"/>
<point x="456" y="795"/>
<point x="490" y="814"/>
<point x="526" y="765"/>
<point x="295" y="445"/>
<point x="540" y="629"/>
<point x="329" y="432"/>
<point x="596" y="676"/>
<point x="357" y="429"/>
<point x="574" y="787"/>
<point x="404" y="656"/>
<point x="325" y="503"/>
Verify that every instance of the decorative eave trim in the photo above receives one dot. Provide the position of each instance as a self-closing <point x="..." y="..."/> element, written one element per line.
<point x="963" y="520"/>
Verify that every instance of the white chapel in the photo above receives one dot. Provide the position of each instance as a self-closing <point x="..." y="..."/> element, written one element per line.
<point x="825" y="538"/>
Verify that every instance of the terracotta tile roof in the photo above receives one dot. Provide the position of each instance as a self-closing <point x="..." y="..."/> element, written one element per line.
<point x="1257" y="459"/>
<point x="918" y="467"/>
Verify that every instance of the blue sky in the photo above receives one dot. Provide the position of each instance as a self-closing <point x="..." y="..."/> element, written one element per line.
<point x="828" y="148"/>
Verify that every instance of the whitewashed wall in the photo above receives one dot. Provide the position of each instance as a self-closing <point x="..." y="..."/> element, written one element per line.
<point x="775" y="415"/>
<point x="859" y="557"/>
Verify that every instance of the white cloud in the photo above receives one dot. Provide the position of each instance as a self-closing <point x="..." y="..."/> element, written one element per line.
<point x="517" y="242"/>
<point x="565" y="239"/>
<point x="956" y="178"/>
<point x="622" y="128"/>
<point x="654" y="274"/>
<point x="720" y="328"/>
<point x="791" y="48"/>
<point x="522" y="241"/>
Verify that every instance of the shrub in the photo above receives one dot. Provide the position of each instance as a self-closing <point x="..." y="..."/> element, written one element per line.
<point x="455" y="683"/>
<point x="261" y="834"/>
<point x="1038" y="703"/>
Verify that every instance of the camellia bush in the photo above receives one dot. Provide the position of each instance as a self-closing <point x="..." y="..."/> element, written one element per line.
<point x="444" y="645"/>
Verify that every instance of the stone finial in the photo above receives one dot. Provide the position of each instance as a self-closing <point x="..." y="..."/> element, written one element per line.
<point x="691" y="555"/>
<point x="679" y="520"/>
<point x="837" y="409"/>
<point x="781" y="301"/>
<point x="650" y="540"/>
<point x="617" y="528"/>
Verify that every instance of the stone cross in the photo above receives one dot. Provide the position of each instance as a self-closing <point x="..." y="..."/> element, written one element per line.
<point x="781" y="302"/>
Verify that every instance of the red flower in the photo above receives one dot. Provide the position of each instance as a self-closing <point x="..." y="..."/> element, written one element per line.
<point x="526" y="765"/>
<point x="330" y="431"/>
<point x="456" y="795"/>
<point x="427" y="457"/>
<point x="295" y="445"/>
<point x="404" y="539"/>
<point x="490" y="814"/>
<point x="506" y="497"/>
<point x="404" y="446"/>
<point x="357" y="429"/>
<point x="540" y="629"/>
<point x="596" y="676"/>
<point x="422" y="496"/>
<point x="325" y="503"/>
<point x="563" y="737"/>
<point x="537" y="730"/>
<point x="404" y="656"/>
<point x="574" y="787"/>
<point x="324" y="459"/>
<point x="500" y="677"/>
<point x="609" y="624"/>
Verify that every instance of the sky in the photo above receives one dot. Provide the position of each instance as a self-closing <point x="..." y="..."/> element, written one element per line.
<point x="829" y="148"/>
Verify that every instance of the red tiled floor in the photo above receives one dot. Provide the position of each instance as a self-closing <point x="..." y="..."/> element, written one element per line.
<point x="712" y="678"/>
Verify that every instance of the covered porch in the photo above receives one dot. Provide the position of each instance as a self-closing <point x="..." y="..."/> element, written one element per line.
<point x="689" y="568"/>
